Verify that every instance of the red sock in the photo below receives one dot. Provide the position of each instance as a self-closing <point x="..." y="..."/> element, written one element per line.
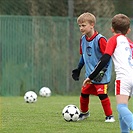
<point x="84" y="104"/>
<point x="106" y="106"/>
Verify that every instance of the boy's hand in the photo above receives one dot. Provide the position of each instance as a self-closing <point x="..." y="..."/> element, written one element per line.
<point x="75" y="74"/>
<point x="100" y="76"/>
<point x="86" y="81"/>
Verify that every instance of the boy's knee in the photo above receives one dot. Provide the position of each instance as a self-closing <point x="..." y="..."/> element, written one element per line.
<point x="84" y="95"/>
<point x="102" y="96"/>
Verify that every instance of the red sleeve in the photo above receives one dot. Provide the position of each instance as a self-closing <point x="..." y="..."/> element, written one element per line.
<point x="111" y="45"/>
<point x="80" y="50"/>
<point x="102" y="44"/>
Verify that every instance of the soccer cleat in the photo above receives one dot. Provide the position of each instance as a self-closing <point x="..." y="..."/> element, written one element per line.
<point x="83" y="116"/>
<point x="109" y="119"/>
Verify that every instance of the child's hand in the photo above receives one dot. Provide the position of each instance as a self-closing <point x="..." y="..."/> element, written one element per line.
<point x="75" y="74"/>
<point x="86" y="81"/>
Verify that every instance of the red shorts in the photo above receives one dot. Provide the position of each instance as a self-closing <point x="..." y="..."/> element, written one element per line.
<point x="94" y="89"/>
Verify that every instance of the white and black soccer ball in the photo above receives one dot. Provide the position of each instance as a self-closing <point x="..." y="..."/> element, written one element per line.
<point x="30" y="97"/>
<point x="45" y="92"/>
<point x="71" y="113"/>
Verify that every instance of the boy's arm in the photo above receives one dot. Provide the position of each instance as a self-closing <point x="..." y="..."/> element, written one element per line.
<point x="102" y="44"/>
<point x="101" y="64"/>
<point x="76" y="72"/>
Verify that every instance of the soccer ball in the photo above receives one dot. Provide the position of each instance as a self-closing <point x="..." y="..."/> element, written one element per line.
<point x="45" y="92"/>
<point x="30" y="97"/>
<point x="71" y="113"/>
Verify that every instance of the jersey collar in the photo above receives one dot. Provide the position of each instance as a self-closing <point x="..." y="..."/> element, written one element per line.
<point x="92" y="37"/>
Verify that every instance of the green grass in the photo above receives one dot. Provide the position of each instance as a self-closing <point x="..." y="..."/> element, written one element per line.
<point x="45" y="116"/>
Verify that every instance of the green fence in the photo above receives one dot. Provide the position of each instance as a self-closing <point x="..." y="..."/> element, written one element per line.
<point x="40" y="51"/>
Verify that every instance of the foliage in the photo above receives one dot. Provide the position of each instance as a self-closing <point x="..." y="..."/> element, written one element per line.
<point x="101" y="8"/>
<point x="121" y="6"/>
<point x="94" y="6"/>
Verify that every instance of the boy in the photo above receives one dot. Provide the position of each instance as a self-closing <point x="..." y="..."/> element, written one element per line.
<point x="92" y="46"/>
<point x="121" y="50"/>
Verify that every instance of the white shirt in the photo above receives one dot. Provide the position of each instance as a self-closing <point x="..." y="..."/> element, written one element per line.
<point x="121" y="50"/>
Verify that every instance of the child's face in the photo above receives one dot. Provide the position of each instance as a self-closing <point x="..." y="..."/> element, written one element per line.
<point x="86" y="28"/>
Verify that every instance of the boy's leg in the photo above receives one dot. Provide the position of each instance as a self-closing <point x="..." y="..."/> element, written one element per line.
<point x="105" y="101"/>
<point x="123" y="126"/>
<point x="107" y="110"/>
<point x="84" y="103"/>
<point x="106" y="105"/>
<point x="123" y="91"/>
<point x="126" y="115"/>
<point x="84" y="98"/>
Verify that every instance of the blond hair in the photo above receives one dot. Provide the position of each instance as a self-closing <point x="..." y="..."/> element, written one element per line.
<point x="86" y="17"/>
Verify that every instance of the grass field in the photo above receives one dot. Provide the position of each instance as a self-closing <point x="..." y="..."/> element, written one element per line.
<point x="45" y="116"/>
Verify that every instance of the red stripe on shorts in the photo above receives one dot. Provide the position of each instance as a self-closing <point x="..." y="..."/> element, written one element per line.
<point x="117" y="87"/>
